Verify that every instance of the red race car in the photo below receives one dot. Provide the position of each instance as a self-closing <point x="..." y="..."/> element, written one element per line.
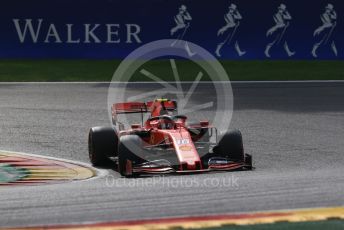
<point x="165" y="143"/>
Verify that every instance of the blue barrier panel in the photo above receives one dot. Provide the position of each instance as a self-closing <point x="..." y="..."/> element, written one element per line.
<point x="242" y="29"/>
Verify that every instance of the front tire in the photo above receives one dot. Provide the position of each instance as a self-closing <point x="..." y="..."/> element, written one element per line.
<point x="102" y="143"/>
<point x="130" y="146"/>
<point x="248" y="162"/>
<point x="231" y="146"/>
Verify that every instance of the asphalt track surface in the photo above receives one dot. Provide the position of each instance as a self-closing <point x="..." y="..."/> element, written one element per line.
<point x="294" y="131"/>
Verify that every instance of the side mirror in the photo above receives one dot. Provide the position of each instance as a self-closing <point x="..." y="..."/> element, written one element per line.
<point x="204" y="123"/>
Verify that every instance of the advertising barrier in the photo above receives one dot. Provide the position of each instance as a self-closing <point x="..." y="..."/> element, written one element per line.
<point x="103" y="29"/>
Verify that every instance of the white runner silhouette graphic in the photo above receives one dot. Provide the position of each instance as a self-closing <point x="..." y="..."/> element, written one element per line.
<point x="282" y="19"/>
<point x="325" y="32"/>
<point x="232" y="19"/>
<point x="183" y="21"/>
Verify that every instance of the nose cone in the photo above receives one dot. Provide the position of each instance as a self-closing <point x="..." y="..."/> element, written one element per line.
<point x="186" y="152"/>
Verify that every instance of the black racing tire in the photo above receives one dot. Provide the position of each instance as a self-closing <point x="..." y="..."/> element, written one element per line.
<point x="231" y="146"/>
<point x="102" y="143"/>
<point x="248" y="161"/>
<point x="129" y="148"/>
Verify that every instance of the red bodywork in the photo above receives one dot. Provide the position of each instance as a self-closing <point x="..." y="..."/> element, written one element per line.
<point x="174" y="133"/>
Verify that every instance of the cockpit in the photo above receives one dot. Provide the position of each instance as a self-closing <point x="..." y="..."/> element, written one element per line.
<point x="167" y="122"/>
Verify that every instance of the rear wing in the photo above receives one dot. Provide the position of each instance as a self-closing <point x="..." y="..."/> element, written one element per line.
<point x="140" y="107"/>
<point x="129" y="107"/>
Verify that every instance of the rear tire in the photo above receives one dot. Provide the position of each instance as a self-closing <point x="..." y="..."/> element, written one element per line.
<point x="102" y="143"/>
<point x="127" y="145"/>
<point x="231" y="146"/>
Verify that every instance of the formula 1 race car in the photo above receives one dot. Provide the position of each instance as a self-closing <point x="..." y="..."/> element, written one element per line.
<point x="164" y="143"/>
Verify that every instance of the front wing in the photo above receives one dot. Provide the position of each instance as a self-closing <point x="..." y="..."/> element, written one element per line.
<point x="153" y="168"/>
